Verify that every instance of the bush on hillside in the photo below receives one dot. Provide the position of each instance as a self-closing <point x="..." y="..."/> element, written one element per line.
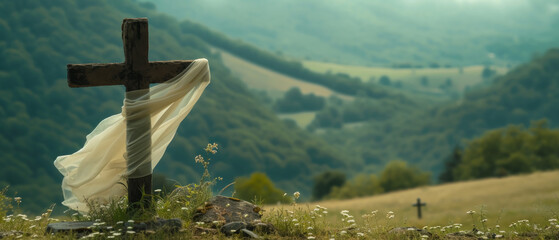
<point x="258" y="187"/>
<point x="325" y="182"/>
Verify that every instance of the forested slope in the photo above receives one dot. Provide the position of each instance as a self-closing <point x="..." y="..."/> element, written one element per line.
<point x="527" y="93"/>
<point x="41" y="117"/>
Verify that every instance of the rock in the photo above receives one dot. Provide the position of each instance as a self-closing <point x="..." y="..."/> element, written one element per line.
<point x="247" y="233"/>
<point x="260" y="227"/>
<point x="226" y="210"/>
<point x="69" y="227"/>
<point x="84" y="228"/>
<point x="410" y="231"/>
<point x="233" y="228"/>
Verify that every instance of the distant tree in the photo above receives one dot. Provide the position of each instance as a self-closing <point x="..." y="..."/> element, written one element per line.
<point x="450" y="163"/>
<point x="295" y="101"/>
<point x="424" y="81"/>
<point x="398" y="175"/>
<point x="360" y="186"/>
<point x="434" y="65"/>
<point x="384" y="80"/>
<point x="259" y="187"/>
<point x="324" y="182"/>
<point x="487" y="72"/>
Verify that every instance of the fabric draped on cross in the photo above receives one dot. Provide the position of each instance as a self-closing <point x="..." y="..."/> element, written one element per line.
<point x="94" y="172"/>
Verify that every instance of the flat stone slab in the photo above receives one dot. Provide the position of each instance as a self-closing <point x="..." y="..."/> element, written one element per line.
<point x="69" y="227"/>
<point x="88" y="227"/>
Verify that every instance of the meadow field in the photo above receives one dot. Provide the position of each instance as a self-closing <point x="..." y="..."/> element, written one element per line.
<point x="502" y="201"/>
<point x="274" y="83"/>
<point x="410" y="78"/>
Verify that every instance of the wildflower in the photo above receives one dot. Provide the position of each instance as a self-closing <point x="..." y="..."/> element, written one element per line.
<point x="484" y="220"/>
<point x="350" y="221"/>
<point x="471" y="212"/>
<point x="324" y="212"/>
<point x="424" y="236"/>
<point x="199" y="223"/>
<point x="309" y="228"/>
<point x="184" y="208"/>
<point x="130" y="232"/>
<point x="119" y="222"/>
<point x="295" y="220"/>
<point x="117" y="234"/>
<point x="360" y="234"/>
<point x="157" y="190"/>
<point x="233" y="230"/>
<point x="199" y="159"/>
<point x="211" y="148"/>
<point x="311" y="237"/>
<point x="18" y="200"/>
<point x="343" y="232"/>
<point x="131" y="221"/>
<point x="296" y="195"/>
<point x="498" y="236"/>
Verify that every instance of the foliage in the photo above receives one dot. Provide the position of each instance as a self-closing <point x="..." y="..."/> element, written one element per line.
<point x="259" y="188"/>
<point x="398" y="175"/>
<point x="341" y="83"/>
<point x="383" y="32"/>
<point x="325" y="182"/>
<point x="510" y="150"/>
<point x="360" y="186"/>
<point x="41" y="117"/>
<point x="450" y="163"/>
<point x="295" y="101"/>
<point x="424" y="137"/>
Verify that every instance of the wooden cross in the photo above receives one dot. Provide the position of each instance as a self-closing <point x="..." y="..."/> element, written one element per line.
<point x="419" y="204"/>
<point x="136" y="73"/>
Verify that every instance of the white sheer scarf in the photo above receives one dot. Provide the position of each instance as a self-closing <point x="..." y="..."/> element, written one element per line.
<point x="93" y="173"/>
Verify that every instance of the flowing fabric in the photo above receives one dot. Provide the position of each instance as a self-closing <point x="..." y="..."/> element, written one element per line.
<point x="98" y="171"/>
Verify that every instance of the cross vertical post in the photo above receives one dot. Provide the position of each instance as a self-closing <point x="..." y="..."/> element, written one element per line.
<point x="136" y="74"/>
<point x="135" y="41"/>
<point x="419" y="204"/>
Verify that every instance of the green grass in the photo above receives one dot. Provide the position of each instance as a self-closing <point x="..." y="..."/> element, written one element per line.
<point x="517" y="207"/>
<point x="502" y="201"/>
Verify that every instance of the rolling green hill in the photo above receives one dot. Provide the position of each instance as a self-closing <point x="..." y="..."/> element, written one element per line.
<point x="41" y="117"/>
<point x="500" y="200"/>
<point x="382" y="33"/>
<point x="524" y="94"/>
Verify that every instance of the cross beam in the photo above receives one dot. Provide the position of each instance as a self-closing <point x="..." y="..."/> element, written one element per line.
<point x="419" y="204"/>
<point x="136" y="73"/>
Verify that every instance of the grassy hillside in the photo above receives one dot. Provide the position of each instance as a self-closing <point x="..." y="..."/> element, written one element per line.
<point x="524" y="94"/>
<point x="459" y="33"/>
<point x="41" y="117"/>
<point x="274" y="83"/>
<point x="410" y="79"/>
<point x="502" y="201"/>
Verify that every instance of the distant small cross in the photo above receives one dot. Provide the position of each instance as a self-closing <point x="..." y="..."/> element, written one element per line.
<point x="419" y="204"/>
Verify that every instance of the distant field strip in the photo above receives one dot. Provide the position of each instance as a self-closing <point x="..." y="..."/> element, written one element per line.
<point x="470" y="75"/>
<point x="257" y="77"/>
<point x="302" y="119"/>
<point x="534" y="197"/>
